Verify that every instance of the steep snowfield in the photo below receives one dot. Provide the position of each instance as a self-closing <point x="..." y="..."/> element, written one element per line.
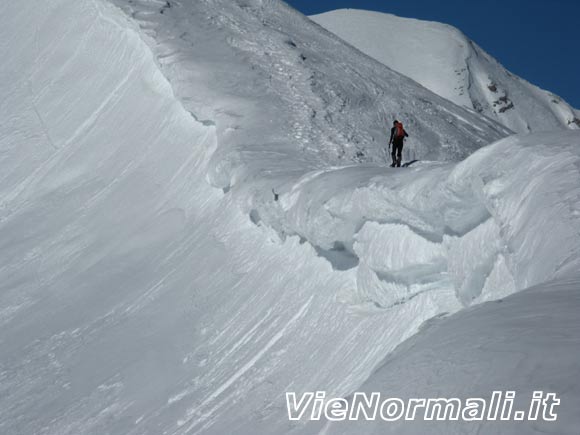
<point x="444" y="60"/>
<point x="275" y="83"/>
<point x="151" y="284"/>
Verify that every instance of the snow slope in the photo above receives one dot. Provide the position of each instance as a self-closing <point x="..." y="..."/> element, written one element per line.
<point x="318" y="96"/>
<point x="151" y="284"/>
<point x="514" y="343"/>
<point x="444" y="60"/>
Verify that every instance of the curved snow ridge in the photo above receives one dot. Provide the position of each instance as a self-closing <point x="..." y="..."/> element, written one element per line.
<point x="135" y="296"/>
<point x="287" y="97"/>
<point x="459" y="70"/>
<point x="502" y="220"/>
<point x="99" y="183"/>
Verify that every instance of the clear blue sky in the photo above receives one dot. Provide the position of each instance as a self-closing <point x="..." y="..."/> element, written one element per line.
<point x="538" y="40"/>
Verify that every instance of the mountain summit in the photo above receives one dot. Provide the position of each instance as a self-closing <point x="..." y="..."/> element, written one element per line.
<point x="444" y="60"/>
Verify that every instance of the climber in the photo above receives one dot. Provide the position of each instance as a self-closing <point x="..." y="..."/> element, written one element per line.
<point x="398" y="135"/>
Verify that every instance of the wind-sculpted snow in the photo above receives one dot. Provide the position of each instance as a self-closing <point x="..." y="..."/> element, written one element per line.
<point x="458" y="69"/>
<point x="505" y="218"/>
<point x="136" y="297"/>
<point x="289" y="97"/>
<point x="527" y="342"/>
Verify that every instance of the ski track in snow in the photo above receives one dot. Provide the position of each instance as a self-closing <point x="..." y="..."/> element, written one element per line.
<point x="151" y="284"/>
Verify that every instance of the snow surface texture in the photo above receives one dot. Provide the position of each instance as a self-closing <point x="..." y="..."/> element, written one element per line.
<point x="516" y="342"/>
<point x="275" y="83"/>
<point x="458" y="69"/>
<point x="150" y="282"/>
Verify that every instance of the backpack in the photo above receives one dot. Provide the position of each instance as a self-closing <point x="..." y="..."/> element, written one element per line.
<point x="399" y="131"/>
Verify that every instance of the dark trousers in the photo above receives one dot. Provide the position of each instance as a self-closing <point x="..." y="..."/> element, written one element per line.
<point x="396" y="152"/>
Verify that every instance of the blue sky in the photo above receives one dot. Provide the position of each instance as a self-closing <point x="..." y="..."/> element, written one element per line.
<point x="538" y="40"/>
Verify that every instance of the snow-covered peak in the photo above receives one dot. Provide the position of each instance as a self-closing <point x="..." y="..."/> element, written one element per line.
<point x="444" y="60"/>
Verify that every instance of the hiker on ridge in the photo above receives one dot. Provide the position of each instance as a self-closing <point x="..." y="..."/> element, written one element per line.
<point x="398" y="135"/>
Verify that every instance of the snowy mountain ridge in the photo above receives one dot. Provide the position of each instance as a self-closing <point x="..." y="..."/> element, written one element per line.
<point x="330" y="119"/>
<point x="458" y="69"/>
<point x="152" y="283"/>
